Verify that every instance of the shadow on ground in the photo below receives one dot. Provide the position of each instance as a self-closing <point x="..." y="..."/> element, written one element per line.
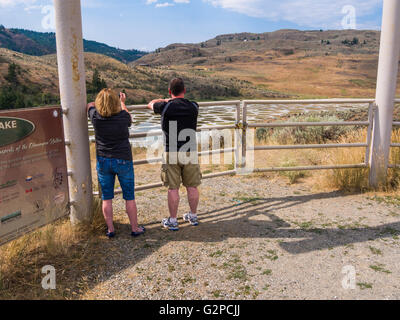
<point x="236" y="221"/>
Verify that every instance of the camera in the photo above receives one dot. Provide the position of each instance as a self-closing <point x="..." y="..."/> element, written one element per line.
<point x="123" y="91"/>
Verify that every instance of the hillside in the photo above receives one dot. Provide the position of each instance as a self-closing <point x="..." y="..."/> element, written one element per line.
<point x="246" y="47"/>
<point x="37" y="79"/>
<point x="42" y="43"/>
<point x="337" y="63"/>
<point x="285" y="63"/>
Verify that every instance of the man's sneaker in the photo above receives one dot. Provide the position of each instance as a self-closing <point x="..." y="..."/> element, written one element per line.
<point x="172" y="226"/>
<point x="188" y="217"/>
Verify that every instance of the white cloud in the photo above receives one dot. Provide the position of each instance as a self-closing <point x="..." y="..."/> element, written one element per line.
<point x="90" y="4"/>
<point x="310" y="13"/>
<point x="166" y="4"/>
<point x="163" y="5"/>
<point x="13" y="3"/>
<point x="30" y="8"/>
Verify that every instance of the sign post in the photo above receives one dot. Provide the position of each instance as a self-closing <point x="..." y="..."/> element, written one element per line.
<point x="72" y="78"/>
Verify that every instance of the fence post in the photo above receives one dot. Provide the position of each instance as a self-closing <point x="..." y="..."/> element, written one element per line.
<point x="71" y="70"/>
<point x="244" y="135"/>
<point x="385" y="92"/>
<point x="238" y="116"/>
<point x="371" y="117"/>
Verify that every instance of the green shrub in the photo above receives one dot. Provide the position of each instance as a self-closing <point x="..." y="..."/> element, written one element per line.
<point x="293" y="176"/>
<point x="15" y="95"/>
<point x="304" y="135"/>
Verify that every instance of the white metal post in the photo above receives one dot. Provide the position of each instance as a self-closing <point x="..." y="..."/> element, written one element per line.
<point x="238" y="115"/>
<point x="385" y="91"/>
<point x="71" y="70"/>
<point x="371" y="117"/>
<point x="244" y="135"/>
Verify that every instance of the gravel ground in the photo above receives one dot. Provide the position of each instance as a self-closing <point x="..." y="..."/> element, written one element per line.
<point x="259" y="238"/>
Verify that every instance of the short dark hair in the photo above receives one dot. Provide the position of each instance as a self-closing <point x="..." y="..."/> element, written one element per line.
<point x="177" y="86"/>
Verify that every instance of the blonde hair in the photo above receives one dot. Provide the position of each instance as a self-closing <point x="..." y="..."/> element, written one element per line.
<point x="107" y="103"/>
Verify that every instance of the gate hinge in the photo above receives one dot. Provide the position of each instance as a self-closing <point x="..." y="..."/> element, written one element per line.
<point x="241" y="126"/>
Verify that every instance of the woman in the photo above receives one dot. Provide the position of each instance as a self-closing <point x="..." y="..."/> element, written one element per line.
<point x="111" y="121"/>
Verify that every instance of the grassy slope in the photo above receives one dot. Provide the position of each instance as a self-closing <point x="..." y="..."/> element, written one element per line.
<point x="288" y="61"/>
<point x="285" y="63"/>
<point x="140" y="83"/>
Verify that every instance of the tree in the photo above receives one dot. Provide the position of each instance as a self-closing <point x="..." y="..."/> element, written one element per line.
<point x="353" y="42"/>
<point x="11" y="99"/>
<point x="97" y="83"/>
<point x="11" y="76"/>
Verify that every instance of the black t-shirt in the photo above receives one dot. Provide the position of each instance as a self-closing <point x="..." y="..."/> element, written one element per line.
<point x="112" y="134"/>
<point x="182" y="115"/>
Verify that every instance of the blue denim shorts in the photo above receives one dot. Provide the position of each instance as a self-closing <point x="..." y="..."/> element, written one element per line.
<point x="107" y="169"/>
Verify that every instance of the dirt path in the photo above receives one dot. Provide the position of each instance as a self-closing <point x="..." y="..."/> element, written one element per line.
<point x="258" y="239"/>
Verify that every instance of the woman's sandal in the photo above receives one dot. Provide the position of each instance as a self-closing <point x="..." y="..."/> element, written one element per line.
<point x="137" y="234"/>
<point x="110" y="235"/>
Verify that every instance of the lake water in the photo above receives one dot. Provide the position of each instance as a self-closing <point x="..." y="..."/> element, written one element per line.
<point x="146" y="121"/>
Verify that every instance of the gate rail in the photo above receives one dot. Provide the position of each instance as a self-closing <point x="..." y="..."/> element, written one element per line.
<point x="365" y="145"/>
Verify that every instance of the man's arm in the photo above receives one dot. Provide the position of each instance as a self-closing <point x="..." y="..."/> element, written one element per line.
<point x="89" y="105"/>
<point x="152" y="103"/>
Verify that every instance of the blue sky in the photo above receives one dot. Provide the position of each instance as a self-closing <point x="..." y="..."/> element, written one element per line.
<point x="150" y="24"/>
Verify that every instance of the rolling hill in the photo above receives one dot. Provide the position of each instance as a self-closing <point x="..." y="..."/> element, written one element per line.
<point x="253" y="47"/>
<point x="38" y="76"/>
<point x="281" y="64"/>
<point x="335" y="63"/>
<point x="42" y="43"/>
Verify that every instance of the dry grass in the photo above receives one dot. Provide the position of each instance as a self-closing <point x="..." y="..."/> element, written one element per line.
<point x="352" y="180"/>
<point x="394" y="174"/>
<point x="355" y="180"/>
<point x="62" y="245"/>
<point x="317" y="76"/>
<point x="348" y="179"/>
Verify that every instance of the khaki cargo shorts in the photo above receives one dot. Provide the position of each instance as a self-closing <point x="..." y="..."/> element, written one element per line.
<point x="174" y="172"/>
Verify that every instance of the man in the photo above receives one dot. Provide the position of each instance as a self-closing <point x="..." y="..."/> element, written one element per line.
<point x="181" y="165"/>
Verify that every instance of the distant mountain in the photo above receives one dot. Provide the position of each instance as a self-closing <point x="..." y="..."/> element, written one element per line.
<point x="42" y="43"/>
<point x="313" y="63"/>
<point x="254" y="47"/>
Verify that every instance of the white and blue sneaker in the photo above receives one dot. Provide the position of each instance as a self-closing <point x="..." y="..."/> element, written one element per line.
<point x="170" y="225"/>
<point x="191" y="218"/>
